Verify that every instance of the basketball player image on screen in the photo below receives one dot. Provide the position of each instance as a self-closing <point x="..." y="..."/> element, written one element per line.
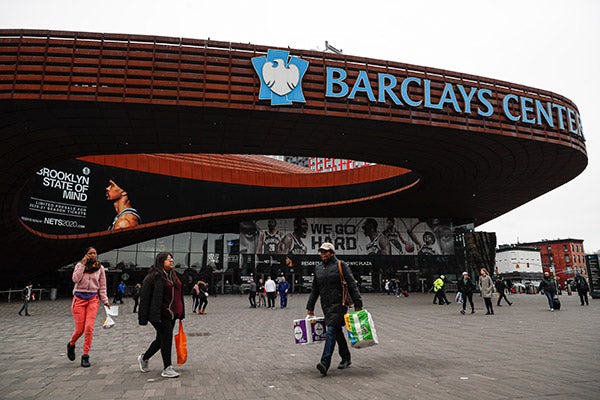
<point x="426" y="247"/>
<point x="268" y="241"/>
<point x="292" y="242"/>
<point x="395" y="238"/>
<point x="248" y="237"/>
<point x="127" y="216"/>
<point x="379" y="243"/>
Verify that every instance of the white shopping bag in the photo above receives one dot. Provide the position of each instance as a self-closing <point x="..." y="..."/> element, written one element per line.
<point x="108" y="322"/>
<point x="113" y="311"/>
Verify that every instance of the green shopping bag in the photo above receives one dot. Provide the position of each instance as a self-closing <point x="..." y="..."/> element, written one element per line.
<point x="361" y="329"/>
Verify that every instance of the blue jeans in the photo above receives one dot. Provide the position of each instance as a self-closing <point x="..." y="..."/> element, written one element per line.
<point x="550" y="296"/>
<point x="283" y="300"/>
<point x="334" y="334"/>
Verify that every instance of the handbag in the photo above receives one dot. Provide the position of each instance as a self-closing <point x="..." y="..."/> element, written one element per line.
<point x="181" y="345"/>
<point x="346" y="298"/>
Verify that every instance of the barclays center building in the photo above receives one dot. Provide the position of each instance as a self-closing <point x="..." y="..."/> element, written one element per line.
<point x="139" y="144"/>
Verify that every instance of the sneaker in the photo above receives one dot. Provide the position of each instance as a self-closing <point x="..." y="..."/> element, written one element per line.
<point x="462" y="312"/>
<point x="552" y="309"/>
<point x="472" y="311"/>
<point x="143" y="363"/>
<point x="85" y="361"/>
<point x="169" y="372"/>
<point x="70" y="351"/>
<point x="344" y="364"/>
<point x="322" y="369"/>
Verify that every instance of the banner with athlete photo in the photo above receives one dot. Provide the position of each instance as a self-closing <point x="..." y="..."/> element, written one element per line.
<point x="350" y="236"/>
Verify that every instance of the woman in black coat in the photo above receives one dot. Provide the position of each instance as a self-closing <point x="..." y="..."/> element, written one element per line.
<point x="582" y="288"/>
<point x="466" y="287"/>
<point x="327" y="284"/>
<point x="161" y="303"/>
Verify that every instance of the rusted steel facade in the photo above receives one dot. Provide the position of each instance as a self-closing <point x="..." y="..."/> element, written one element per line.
<point x="65" y="95"/>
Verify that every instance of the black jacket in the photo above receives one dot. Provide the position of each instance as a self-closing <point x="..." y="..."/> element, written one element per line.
<point x="465" y="288"/>
<point x="151" y="299"/>
<point x="548" y="285"/>
<point x="580" y="284"/>
<point x="327" y="284"/>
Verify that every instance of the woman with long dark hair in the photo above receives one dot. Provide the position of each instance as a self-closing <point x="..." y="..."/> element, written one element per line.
<point x="161" y="303"/>
<point x="90" y="283"/>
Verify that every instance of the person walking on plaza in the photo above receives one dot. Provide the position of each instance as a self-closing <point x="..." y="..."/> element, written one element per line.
<point x="195" y="297"/>
<point x="120" y="292"/>
<point x="466" y="287"/>
<point x="284" y="287"/>
<point x="582" y="288"/>
<point x="486" y="285"/>
<point x="26" y="297"/>
<point x="442" y="291"/>
<point x="161" y="303"/>
<point x="90" y="283"/>
<point x="252" y="293"/>
<point x="327" y="284"/>
<point x="137" y="290"/>
<point x="202" y="297"/>
<point x="548" y="287"/>
<point x="262" y="293"/>
<point x="271" y="289"/>
<point x="501" y="288"/>
<point x="439" y="292"/>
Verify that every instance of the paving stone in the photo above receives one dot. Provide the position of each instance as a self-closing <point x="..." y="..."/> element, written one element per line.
<point x="426" y="351"/>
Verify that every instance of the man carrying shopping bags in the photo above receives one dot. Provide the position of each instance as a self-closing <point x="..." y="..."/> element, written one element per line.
<point x="327" y="283"/>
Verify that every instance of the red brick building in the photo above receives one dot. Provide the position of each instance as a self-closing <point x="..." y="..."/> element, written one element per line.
<point x="562" y="257"/>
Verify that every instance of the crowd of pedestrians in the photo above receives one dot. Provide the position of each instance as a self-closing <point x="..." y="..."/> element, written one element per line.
<point x="159" y="301"/>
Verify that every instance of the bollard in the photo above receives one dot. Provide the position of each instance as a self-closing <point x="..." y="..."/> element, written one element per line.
<point x="53" y="293"/>
<point x="569" y="290"/>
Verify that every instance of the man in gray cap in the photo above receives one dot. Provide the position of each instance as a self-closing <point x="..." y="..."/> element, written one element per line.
<point x="327" y="283"/>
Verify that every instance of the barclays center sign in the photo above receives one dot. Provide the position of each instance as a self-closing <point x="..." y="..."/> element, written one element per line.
<point x="281" y="82"/>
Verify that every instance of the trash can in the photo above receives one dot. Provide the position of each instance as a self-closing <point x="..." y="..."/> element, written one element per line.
<point x="53" y="292"/>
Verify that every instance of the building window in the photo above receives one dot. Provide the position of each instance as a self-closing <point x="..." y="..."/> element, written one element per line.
<point x="565" y="247"/>
<point x="567" y="259"/>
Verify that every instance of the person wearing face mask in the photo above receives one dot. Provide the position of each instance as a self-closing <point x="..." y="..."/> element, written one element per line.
<point x="327" y="284"/>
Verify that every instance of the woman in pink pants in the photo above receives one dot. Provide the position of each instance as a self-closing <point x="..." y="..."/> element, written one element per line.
<point x="90" y="282"/>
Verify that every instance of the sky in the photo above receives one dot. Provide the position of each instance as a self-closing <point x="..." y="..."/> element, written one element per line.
<point x="546" y="44"/>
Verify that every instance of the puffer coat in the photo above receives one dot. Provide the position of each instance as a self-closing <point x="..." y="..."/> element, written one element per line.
<point x="327" y="284"/>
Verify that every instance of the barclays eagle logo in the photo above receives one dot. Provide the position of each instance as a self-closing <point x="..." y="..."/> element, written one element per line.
<point x="280" y="77"/>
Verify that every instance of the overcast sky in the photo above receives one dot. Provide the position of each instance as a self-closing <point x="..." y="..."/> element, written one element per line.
<point x="547" y="44"/>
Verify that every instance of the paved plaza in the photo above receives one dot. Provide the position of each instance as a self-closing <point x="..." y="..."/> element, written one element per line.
<point x="426" y="351"/>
